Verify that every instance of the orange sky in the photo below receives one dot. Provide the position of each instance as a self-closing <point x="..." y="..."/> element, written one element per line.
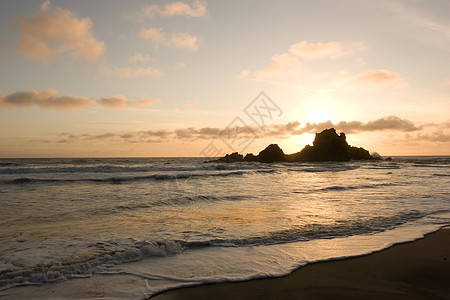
<point x="185" y="78"/>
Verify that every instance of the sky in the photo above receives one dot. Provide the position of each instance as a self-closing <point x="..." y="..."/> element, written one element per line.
<point x="113" y="78"/>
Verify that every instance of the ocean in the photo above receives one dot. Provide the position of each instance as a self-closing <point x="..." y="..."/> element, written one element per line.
<point x="179" y="221"/>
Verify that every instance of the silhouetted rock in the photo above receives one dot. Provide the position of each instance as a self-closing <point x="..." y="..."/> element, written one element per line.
<point x="233" y="157"/>
<point x="327" y="146"/>
<point x="272" y="153"/>
<point x="359" y="153"/>
<point x="250" y="157"/>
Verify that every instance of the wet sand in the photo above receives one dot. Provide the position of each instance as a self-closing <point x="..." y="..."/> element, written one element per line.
<point x="413" y="270"/>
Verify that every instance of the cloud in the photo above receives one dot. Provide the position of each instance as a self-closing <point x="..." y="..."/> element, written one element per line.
<point x="101" y="136"/>
<point x="173" y="9"/>
<point x="279" y="131"/>
<point x="377" y="77"/>
<point x="131" y="72"/>
<point x="181" y="40"/>
<point x="290" y="63"/>
<point x="440" y="134"/>
<point x="437" y="136"/>
<point x="282" y="65"/>
<point x="148" y="136"/>
<point x="307" y="51"/>
<point x="382" y="124"/>
<point x="137" y="58"/>
<point x="390" y="123"/>
<point x="244" y="74"/>
<point x="122" y="102"/>
<point x="47" y="99"/>
<point x="53" y="31"/>
<point x="185" y="134"/>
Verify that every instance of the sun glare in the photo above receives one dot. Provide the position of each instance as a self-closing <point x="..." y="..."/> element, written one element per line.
<point x="318" y="116"/>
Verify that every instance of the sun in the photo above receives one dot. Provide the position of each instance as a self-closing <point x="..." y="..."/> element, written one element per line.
<point x="318" y="116"/>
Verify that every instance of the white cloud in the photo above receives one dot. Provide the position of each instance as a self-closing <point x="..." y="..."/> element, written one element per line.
<point x="381" y="77"/>
<point x="377" y="77"/>
<point x="307" y="51"/>
<point x="156" y="35"/>
<point x="183" y="40"/>
<point x="282" y="65"/>
<point x="290" y="64"/>
<point x="54" y="31"/>
<point x="173" y="9"/>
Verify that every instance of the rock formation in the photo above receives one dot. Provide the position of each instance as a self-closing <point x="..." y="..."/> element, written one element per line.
<point x="233" y="157"/>
<point x="327" y="146"/>
<point x="272" y="153"/>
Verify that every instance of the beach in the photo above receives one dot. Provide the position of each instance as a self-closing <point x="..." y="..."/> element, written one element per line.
<point x="133" y="228"/>
<point x="194" y="149"/>
<point x="413" y="270"/>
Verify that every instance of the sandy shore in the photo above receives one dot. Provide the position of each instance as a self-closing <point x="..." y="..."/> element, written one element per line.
<point x="415" y="270"/>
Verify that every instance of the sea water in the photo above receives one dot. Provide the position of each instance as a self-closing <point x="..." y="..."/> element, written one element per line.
<point x="179" y="221"/>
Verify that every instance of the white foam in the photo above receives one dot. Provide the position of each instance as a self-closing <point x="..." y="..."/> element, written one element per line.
<point x="208" y="265"/>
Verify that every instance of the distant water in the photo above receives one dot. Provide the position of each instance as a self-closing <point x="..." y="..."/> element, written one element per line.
<point x="179" y="221"/>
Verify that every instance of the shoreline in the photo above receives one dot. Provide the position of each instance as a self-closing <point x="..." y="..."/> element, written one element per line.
<point x="418" y="269"/>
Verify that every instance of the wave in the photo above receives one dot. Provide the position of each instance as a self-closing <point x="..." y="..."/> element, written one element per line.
<point x="116" y="165"/>
<point x="431" y="165"/>
<point x="9" y="164"/>
<point x="174" y="201"/>
<point x="346" y="188"/>
<point x="388" y="167"/>
<point x="199" y="198"/>
<point x="107" y="254"/>
<point x="321" y="231"/>
<point x="424" y="160"/>
<point x="324" y="167"/>
<point x="441" y="175"/>
<point x="124" y="179"/>
<point x="79" y="268"/>
<point x="108" y="168"/>
<point x="355" y="187"/>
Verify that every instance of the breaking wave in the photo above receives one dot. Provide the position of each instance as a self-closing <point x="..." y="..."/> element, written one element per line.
<point x="107" y="254"/>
